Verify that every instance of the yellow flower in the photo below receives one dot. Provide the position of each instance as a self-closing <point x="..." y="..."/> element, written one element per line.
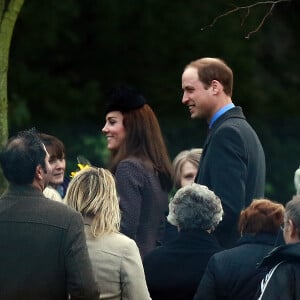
<point x="81" y="167"/>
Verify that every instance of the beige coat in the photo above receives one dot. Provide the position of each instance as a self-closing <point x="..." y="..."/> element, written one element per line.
<point x="117" y="266"/>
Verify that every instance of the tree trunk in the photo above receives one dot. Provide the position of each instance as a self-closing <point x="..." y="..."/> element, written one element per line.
<point x="9" y="11"/>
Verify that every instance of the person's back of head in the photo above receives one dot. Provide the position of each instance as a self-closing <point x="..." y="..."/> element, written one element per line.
<point x="21" y="156"/>
<point x="195" y="207"/>
<point x="261" y="216"/>
<point x="291" y="231"/>
<point x="93" y="193"/>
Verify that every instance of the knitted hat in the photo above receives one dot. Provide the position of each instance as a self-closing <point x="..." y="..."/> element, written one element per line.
<point x="124" y="98"/>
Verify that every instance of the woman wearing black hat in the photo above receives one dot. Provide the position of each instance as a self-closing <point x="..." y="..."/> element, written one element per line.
<point x="141" y="165"/>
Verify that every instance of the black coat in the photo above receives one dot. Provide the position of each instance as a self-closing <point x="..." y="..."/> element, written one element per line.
<point x="43" y="253"/>
<point x="232" y="274"/>
<point x="233" y="166"/>
<point x="283" y="280"/>
<point x="174" y="270"/>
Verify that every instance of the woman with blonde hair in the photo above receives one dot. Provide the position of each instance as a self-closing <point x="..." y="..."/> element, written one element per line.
<point x="233" y="273"/>
<point x="141" y="165"/>
<point x="115" y="258"/>
<point x="185" y="166"/>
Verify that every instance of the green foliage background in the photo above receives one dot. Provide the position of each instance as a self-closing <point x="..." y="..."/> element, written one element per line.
<point x="66" y="54"/>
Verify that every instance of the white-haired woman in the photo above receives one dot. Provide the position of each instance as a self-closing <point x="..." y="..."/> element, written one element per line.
<point x="115" y="258"/>
<point x="174" y="270"/>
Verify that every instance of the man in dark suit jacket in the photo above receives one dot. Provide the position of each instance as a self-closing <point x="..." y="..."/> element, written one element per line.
<point x="232" y="162"/>
<point x="43" y="253"/>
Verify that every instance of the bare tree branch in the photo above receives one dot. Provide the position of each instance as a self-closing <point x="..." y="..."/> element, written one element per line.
<point x="247" y="8"/>
<point x="261" y="23"/>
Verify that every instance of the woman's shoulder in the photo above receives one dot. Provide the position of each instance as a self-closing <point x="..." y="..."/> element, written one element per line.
<point x="131" y="161"/>
<point x="134" y="164"/>
<point x="121" y="238"/>
<point x="115" y="243"/>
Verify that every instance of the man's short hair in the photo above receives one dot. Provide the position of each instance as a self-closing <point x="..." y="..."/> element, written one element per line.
<point x="21" y="155"/>
<point x="195" y="207"/>
<point x="210" y="69"/>
<point x="292" y="211"/>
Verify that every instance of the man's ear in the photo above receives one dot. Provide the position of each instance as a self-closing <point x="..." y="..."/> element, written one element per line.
<point x="216" y="87"/>
<point x="39" y="172"/>
<point x="293" y="230"/>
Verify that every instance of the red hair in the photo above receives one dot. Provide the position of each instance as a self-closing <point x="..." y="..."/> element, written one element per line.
<point x="261" y="216"/>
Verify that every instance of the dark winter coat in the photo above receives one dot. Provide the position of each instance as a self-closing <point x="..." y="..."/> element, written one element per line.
<point x="174" y="270"/>
<point x="233" y="166"/>
<point x="283" y="280"/>
<point x="233" y="274"/>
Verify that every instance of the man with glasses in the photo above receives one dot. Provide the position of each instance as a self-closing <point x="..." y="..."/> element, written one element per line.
<point x="283" y="280"/>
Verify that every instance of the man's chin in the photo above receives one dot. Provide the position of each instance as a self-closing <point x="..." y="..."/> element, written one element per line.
<point x="194" y="116"/>
<point x="56" y="182"/>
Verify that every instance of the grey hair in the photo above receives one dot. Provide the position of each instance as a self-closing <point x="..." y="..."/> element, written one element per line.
<point x="195" y="207"/>
<point x="292" y="211"/>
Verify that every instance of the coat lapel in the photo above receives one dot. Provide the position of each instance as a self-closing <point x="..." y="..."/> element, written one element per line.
<point x="235" y="112"/>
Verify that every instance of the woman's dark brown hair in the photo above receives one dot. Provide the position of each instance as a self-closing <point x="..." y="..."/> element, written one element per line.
<point x="144" y="140"/>
<point x="54" y="146"/>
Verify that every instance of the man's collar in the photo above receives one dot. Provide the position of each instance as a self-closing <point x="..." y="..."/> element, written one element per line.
<point x="219" y="113"/>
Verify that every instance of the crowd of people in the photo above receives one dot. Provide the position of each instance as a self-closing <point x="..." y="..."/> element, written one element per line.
<point x="144" y="227"/>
